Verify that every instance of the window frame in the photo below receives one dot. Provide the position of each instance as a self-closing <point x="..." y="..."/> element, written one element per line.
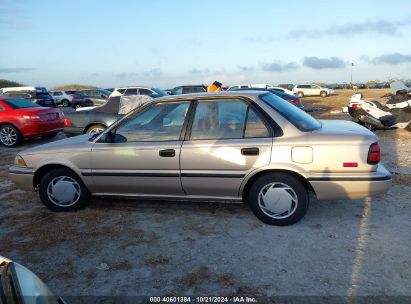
<point x="146" y="107"/>
<point x="265" y="118"/>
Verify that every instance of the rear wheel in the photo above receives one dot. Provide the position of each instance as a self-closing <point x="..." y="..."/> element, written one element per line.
<point x="62" y="190"/>
<point x="10" y="136"/>
<point x="95" y="129"/>
<point x="323" y="94"/>
<point x="278" y="199"/>
<point x="300" y="94"/>
<point x="65" y="103"/>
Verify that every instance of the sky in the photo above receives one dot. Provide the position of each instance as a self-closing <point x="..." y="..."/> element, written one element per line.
<point x="165" y="43"/>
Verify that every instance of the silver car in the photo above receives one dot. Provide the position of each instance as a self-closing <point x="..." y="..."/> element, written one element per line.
<point x="231" y="146"/>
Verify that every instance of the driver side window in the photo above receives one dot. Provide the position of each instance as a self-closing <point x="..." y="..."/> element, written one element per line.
<point x="159" y="122"/>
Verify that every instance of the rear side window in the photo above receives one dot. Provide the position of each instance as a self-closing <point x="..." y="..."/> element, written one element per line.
<point x="226" y="119"/>
<point x="131" y="92"/>
<point x="121" y="91"/>
<point x="300" y="119"/>
<point x="144" y="92"/>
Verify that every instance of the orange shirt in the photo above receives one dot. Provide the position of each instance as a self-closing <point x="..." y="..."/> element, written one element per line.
<point x="213" y="88"/>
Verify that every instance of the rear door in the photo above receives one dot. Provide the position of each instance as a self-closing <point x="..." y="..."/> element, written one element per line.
<point x="145" y="157"/>
<point x="228" y="140"/>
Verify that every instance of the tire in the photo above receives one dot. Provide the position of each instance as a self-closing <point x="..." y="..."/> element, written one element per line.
<point x="76" y="106"/>
<point x="65" y="103"/>
<point x="95" y="129"/>
<point x="300" y="94"/>
<point x="49" y="136"/>
<point x="289" y="210"/>
<point x="10" y="136"/>
<point x="73" y="193"/>
<point x="323" y="94"/>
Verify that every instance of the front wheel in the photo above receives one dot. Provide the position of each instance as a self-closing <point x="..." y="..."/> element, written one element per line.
<point x="10" y="136"/>
<point x="278" y="199"/>
<point x="300" y="94"/>
<point x="65" y="103"/>
<point x="323" y="94"/>
<point x="62" y="190"/>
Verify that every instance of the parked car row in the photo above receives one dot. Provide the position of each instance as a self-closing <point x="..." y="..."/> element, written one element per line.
<point x="80" y="98"/>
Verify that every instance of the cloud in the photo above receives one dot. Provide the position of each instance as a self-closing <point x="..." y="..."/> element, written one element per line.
<point x="245" y="68"/>
<point x="323" y="63"/>
<point x="279" y="66"/>
<point x="15" y="70"/>
<point x="196" y="71"/>
<point x="391" y="59"/>
<point x="153" y="73"/>
<point x="380" y="27"/>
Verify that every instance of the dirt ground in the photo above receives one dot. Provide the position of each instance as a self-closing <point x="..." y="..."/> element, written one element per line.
<point x="128" y="247"/>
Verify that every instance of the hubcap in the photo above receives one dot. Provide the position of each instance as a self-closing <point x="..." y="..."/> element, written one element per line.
<point x="277" y="200"/>
<point x="63" y="191"/>
<point x="8" y="136"/>
<point x="95" y="130"/>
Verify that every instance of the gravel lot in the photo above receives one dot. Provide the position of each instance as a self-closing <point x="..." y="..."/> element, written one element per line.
<point x="129" y="247"/>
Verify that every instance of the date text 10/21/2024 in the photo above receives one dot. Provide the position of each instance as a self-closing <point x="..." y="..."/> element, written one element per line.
<point x="205" y="299"/>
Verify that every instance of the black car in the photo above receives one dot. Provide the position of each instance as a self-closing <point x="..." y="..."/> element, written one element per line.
<point x="88" y="98"/>
<point x="43" y="99"/>
<point x="188" y="89"/>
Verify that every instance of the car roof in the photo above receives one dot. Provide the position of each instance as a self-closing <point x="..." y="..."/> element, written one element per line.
<point x="251" y="94"/>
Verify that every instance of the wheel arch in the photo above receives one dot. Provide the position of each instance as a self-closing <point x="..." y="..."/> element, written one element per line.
<point x="93" y="124"/>
<point x="246" y="189"/>
<point x="43" y="170"/>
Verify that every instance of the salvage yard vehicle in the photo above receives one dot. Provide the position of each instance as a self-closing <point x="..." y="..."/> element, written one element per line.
<point x="97" y="119"/>
<point x="311" y="90"/>
<point x="63" y="98"/>
<point x="38" y="95"/>
<point x="188" y="89"/>
<point x="21" y="119"/>
<point x="249" y="146"/>
<point x="396" y="113"/>
<point x="293" y="99"/>
<point x="138" y="90"/>
<point x="20" y="285"/>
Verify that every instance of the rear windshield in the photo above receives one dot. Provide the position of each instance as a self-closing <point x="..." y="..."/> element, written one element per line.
<point x="20" y="103"/>
<point x="43" y="96"/>
<point x="297" y="117"/>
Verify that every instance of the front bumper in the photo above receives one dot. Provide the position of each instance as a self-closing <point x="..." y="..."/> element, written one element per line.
<point x="22" y="177"/>
<point x="351" y="186"/>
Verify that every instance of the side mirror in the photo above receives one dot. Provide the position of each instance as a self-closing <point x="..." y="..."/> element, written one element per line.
<point x="108" y="137"/>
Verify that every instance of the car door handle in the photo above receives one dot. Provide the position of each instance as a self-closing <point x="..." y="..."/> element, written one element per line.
<point x="167" y="153"/>
<point x="250" y="151"/>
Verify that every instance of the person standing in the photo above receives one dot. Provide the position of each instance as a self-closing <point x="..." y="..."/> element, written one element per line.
<point x="215" y="87"/>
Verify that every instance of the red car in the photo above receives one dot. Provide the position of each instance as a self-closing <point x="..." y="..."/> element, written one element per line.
<point x="21" y="119"/>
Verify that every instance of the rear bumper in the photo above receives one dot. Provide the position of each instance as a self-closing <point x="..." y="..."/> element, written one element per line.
<point x="22" y="177"/>
<point x="352" y="186"/>
<point x="38" y="129"/>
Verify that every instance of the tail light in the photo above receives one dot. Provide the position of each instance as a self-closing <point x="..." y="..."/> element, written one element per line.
<point x="295" y="101"/>
<point x="374" y="154"/>
<point x="355" y="106"/>
<point x="67" y="122"/>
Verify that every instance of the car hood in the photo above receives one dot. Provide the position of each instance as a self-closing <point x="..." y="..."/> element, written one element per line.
<point x="62" y="145"/>
<point x="342" y="129"/>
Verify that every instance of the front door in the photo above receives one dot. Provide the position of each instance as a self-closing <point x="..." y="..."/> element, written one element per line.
<point x="145" y="155"/>
<point x="228" y="140"/>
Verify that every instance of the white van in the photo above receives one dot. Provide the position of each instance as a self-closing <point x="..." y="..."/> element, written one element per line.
<point x="23" y="89"/>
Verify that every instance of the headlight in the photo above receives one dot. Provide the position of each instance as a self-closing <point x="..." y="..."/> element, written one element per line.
<point x="19" y="161"/>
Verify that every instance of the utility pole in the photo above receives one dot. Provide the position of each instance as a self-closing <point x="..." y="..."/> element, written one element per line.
<point x="352" y="65"/>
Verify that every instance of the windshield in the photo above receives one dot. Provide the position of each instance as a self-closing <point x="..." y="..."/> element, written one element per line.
<point x="20" y="103"/>
<point x="297" y="117"/>
<point x="159" y="92"/>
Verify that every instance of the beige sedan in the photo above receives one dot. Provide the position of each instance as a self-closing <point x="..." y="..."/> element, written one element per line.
<point x="231" y="146"/>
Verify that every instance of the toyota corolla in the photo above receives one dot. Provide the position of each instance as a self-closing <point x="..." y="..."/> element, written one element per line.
<point x="232" y="146"/>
